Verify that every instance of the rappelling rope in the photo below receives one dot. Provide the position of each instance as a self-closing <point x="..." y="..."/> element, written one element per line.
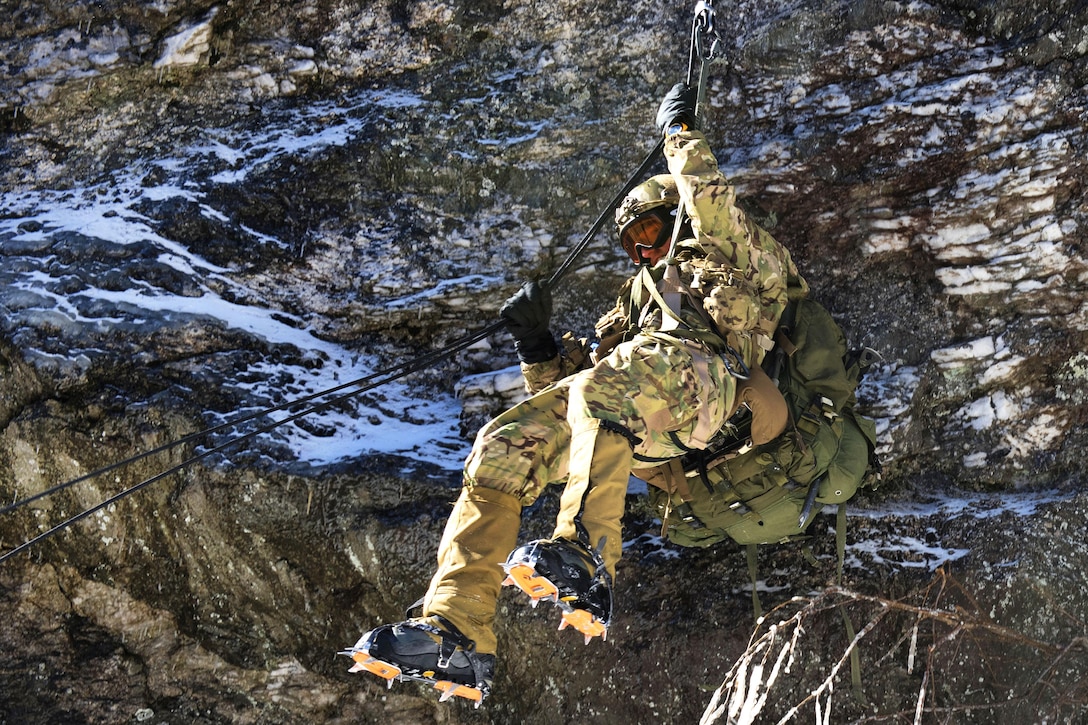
<point x="368" y="383"/>
<point x="372" y="381"/>
<point x="702" y="29"/>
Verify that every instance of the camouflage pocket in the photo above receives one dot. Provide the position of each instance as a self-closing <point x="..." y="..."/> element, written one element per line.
<point x="728" y="297"/>
<point x="732" y="308"/>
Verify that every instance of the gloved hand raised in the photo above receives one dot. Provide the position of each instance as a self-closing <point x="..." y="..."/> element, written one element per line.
<point x="528" y="314"/>
<point x="678" y="106"/>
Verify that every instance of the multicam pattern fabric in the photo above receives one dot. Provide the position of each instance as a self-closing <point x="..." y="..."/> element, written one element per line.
<point x="652" y="390"/>
<point x="728" y="239"/>
<point x="661" y="388"/>
<point x="739" y="277"/>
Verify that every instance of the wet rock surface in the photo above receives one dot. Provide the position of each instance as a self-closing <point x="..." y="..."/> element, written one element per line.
<point x="212" y="209"/>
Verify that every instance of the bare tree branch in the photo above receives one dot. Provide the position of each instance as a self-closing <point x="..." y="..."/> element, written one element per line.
<point x="972" y="664"/>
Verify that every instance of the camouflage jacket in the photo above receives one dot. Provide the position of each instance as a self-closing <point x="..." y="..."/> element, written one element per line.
<point x="738" y="278"/>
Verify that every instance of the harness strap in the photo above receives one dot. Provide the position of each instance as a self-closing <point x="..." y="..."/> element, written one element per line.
<point x="752" y="553"/>
<point x="855" y="658"/>
<point x="672" y="324"/>
<point x="670" y="294"/>
<point x="677" y="482"/>
<point x="704" y="426"/>
<point x="669" y="302"/>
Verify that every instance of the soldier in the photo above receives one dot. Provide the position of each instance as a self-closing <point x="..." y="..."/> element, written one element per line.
<point x="678" y="355"/>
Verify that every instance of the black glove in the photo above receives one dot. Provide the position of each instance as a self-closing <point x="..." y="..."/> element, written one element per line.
<point x="528" y="314"/>
<point x="678" y="107"/>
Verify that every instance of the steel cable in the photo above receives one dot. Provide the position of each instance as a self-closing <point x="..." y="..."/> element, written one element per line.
<point x="368" y="383"/>
<point x="703" y="31"/>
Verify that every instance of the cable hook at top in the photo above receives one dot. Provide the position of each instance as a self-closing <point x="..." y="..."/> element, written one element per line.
<point x="704" y="20"/>
<point x="706" y="44"/>
<point x="705" y="40"/>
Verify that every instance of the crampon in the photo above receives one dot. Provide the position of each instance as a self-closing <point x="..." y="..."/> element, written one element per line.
<point x="568" y="574"/>
<point x="423" y="651"/>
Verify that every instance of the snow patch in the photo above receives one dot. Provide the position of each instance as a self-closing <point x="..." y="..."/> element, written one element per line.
<point x="189" y="45"/>
<point x="908" y="552"/>
<point x="926" y="550"/>
<point x="395" y="422"/>
<point x="885" y="395"/>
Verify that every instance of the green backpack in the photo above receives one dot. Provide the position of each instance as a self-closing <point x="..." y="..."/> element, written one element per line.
<point x="771" y="493"/>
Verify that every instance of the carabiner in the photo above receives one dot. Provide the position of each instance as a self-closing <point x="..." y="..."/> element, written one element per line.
<point x="704" y="24"/>
<point x="744" y="372"/>
<point x="705" y="41"/>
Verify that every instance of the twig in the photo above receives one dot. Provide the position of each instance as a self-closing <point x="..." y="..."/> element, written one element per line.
<point x="826" y="685"/>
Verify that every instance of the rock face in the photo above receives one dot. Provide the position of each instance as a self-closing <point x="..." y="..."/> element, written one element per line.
<point x="213" y="209"/>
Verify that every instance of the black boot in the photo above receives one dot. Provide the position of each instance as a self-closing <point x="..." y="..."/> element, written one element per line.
<point x="570" y="575"/>
<point x="429" y="650"/>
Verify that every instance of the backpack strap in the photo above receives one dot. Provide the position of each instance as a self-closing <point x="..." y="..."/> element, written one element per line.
<point x="840" y="540"/>
<point x="678" y="484"/>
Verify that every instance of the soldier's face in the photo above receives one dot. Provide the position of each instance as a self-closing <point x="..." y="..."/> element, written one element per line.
<point x="646" y="239"/>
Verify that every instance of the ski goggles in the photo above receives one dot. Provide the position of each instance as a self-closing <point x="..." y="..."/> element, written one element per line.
<point x="646" y="237"/>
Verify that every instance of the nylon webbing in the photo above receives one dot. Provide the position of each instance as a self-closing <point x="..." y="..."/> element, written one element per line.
<point x="840" y="550"/>
<point x="753" y="573"/>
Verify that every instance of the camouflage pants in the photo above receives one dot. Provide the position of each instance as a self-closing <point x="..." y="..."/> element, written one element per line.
<point x="651" y="388"/>
<point x="649" y="398"/>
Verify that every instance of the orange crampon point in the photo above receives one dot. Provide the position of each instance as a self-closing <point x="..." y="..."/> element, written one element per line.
<point x="389" y="673"/>
<point x="384" y="670"/>
<point x="539" y="588"/>
<point x="452" y="689"/>
<point x="525" y="578"/>
<point x="586" y="623"/>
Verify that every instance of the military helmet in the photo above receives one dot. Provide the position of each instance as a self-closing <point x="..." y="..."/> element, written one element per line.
<point x="657" y="191"/>
<point x="645" y="218"/>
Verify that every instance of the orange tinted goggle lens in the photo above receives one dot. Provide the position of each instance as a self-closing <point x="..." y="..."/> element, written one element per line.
<point x="644" y="232"/>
